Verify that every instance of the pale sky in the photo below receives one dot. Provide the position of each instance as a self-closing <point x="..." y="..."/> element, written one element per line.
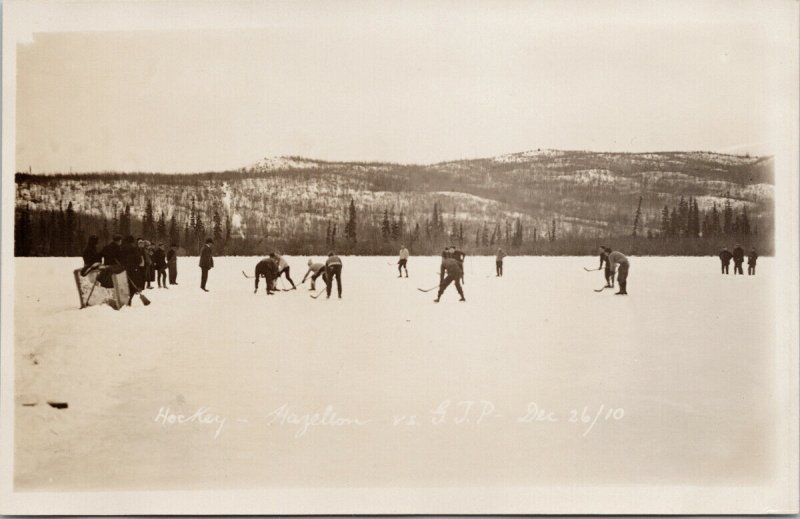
<point x="404" y="82"/>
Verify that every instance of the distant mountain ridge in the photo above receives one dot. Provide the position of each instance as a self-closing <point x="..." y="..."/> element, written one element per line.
<point x="576" y="194"/>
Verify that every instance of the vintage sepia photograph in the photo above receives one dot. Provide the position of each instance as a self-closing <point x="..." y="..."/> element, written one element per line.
<point x="399" y="257"/>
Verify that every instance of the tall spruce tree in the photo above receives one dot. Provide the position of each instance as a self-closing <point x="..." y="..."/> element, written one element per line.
<point x="636" y="218"/>
<point x="350" y="226"/>
<point x="161" y="227"/>
<point x="386" y="227"/>
<point x="174" y="234"/>
<point x="217" y="229"/>
<point x="665" y="222"/>
<point x="148" y="222"/>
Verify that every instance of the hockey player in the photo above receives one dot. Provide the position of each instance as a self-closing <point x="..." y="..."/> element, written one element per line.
<point x="315" y="270"/>
<point x="268" y="268"/>
<point x="617" y="258"/>
<point x="283" y="268"/>
<point x="454" y="274"/>
<point x="402" y="262"/>
<point x="608" y="272"/>
<point x="459" y="256"/>
<point x="333" y="269"/>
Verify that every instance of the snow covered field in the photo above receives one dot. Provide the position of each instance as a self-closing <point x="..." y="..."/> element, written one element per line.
<point x="667" y="385"/>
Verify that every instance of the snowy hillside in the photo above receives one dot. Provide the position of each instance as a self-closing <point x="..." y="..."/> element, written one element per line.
<point x="303" y="202"/>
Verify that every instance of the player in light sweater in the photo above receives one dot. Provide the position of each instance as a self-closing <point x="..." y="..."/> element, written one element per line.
<point x="315" y="270"/>
<point x="283" y="268"/>
<point x="402" y="263"/>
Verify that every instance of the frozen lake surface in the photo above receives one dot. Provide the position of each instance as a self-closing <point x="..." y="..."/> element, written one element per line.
<point x="668" y="385"/>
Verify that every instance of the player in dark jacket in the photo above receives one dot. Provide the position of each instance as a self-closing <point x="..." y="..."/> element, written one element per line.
<point x="172" y="264"/>
<point x="608" y="272"/>
<point x="130" y="257"/>
<point x="111" y="252"/>
<point x="751" y="262"/>
<point x="333" y="269"/>
<point x="738" y="259"/>
<point x="454" y="274"/>
<point x="160" y="265"/>
<point x="459" y="256"/>
<point x="498" y="262"/>
<point x="268" y="268"/>
<point x="206" y="263"/>
<point x="90" y="254"/>
<point x="725" y="257"/>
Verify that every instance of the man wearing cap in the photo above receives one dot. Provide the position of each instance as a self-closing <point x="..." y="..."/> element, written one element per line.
<point x="160" y="265"/>
<point x="172" y="264"/>
<point x="315" y="270"/>
<point x="206" y="263"/>
<point x="738" y="259"/>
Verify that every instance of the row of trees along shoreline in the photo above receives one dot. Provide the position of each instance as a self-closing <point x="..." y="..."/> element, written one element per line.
<point x="684" y="229"/>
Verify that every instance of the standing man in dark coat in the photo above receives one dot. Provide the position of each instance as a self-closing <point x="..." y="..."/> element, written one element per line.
<point x="172" y="265"/>
<point x="738" y="259"/>
<point x="725" y="257"/>
<point x="751" y="262"/>
<point x="206" y="263"/>
<point x="454" y="274"/>
<point x="498" y="262"/>
<point x="160" y="266"/>
<point x="130" y="257"/>
<point x="90" y="254"/>
<point x="111" y="252"/>
<point x="333" y="269"/>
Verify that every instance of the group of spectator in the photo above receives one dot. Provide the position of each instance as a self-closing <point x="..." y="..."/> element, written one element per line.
<point x="143" y="261"/>
<point x="725" y="257"/>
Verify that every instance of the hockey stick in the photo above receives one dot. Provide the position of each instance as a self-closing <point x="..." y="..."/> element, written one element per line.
<point x="84" y="305"/>
<point x="245" y="275"/>
<point x="428" y="289"/>
<point x="142" y="297"/>
<point x="590" y="270"/>
<point x="314" y="296"/>
<point x="601" y="289"/>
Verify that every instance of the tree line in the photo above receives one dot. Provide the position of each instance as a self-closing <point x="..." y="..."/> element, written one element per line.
<point x="684" y="229"/>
